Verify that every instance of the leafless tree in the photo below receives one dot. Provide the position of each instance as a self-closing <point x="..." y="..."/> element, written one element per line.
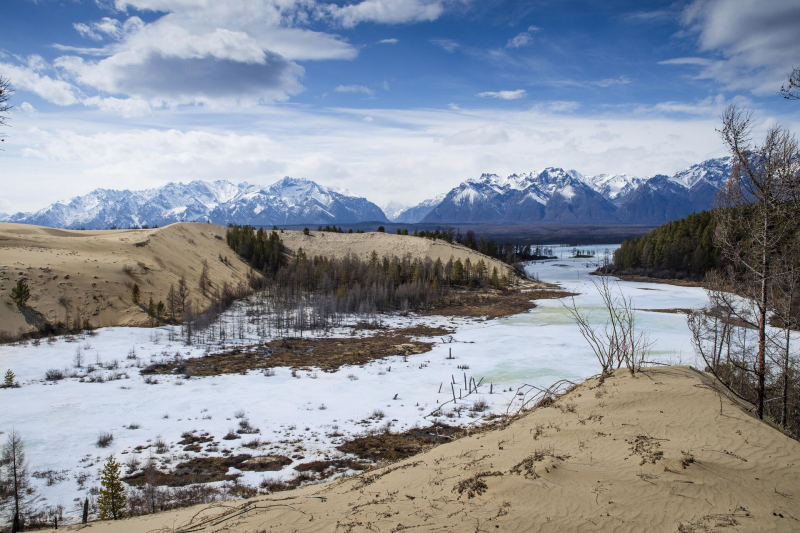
<point x="619" y="341"/>
<point x="785" y="315"/>
<point x="791" y="91"/>
<point x="6" y="90"/>
<point x="757" y="216"/>
<point x="15" y="467"/>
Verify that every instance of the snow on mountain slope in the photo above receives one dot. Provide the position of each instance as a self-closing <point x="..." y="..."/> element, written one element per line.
<point x="288" y="201"/>
<point x="550" y="195"/>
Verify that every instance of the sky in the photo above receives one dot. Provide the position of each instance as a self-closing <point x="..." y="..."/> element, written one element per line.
<point x="393" y="100"/>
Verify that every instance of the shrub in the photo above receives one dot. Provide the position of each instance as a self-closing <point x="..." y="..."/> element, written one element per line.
<point x="54" y="375"/>
<point x="104" y="440"/>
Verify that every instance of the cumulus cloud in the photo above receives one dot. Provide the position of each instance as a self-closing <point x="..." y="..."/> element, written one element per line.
<point x="389" y="41"/>
<point x="206" y="52"/>
<point x="504" y="95"/>
<point x="29" y="78"/>
<point x="754" y="43"/>
<point x="354" y="89"/>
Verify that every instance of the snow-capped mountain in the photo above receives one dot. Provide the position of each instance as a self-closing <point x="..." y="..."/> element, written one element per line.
<point x="552" y="195"/>
<point x="288" y="201"/>
<point x="393" y="209"/>
<point x="566" y="196"/>
<point x="410" y="215"/>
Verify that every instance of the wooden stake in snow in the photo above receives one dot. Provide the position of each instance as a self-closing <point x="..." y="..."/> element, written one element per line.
<point x="452" y="388"/>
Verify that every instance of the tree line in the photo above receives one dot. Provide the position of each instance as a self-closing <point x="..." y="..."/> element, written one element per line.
<point x="681" y="249"/>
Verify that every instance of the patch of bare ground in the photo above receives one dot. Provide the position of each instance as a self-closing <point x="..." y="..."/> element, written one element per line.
<point x="210" y="469"/>
<point x="647" y="279"/>
<point x="675" y="311"/>
<point x="327" y="468"/>
<point x="386" y="446"/>
<point x="327" y="354"/>
<point x="496" y="303"/>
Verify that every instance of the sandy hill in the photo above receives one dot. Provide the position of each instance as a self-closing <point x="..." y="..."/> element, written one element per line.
<point x="86" y="267"/>
<point x="666" y="451"/>
<point x="362" y="244"/>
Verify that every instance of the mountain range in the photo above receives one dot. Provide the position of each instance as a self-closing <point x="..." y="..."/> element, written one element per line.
<point x="553" y="195"/>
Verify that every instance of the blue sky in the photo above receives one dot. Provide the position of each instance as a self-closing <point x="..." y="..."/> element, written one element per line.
<point x="391" y="99"/>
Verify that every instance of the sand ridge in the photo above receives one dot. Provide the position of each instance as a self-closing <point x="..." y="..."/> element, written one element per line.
<point x="86" y="267"/>
<point x="664" y="451"/>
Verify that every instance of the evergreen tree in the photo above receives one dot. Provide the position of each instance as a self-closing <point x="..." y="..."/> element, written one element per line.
<point x="183" y="293"/>
<point x="9" y="382"/>
<point x="20" y="293"/>
<point x="111" y="501"/>
<point x="159" y="309"/>
<point x="172" y="301"/>
<point x="135" y="293"/>
<point x="203" y="282"/>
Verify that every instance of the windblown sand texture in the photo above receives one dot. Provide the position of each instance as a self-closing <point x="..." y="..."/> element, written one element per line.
<point x="664" y="451"/>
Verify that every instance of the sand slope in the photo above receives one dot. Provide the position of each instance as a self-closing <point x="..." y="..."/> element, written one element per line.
<point x="662" y="452"/>
<point x="93" y="260"/>
<point x="362" y="244"/>
<point x="100" y="291"/>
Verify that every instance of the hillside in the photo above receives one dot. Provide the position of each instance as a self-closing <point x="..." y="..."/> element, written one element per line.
<point x="666" y="451"/>
<point x="362" y="244"/>
<point x="86" y="267"/>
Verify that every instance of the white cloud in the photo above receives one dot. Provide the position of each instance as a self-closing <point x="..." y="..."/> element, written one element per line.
<point x="453" y="106"/>
<point x="27" y="108"/>
<point x="336" y="147"/>
<point x="354" y="89"/>
<point x="608" y="82"/>
<point x="523" y="39"/>
<point x="447" y="44"/>
<point x="504" y="95"/>
<point x="384" y="11"/>
<point x="386" y="86"/>
<point x="701" y="61"/>
<point x="51" y="89"/>
<point x="389" y="41"/>
<point x="756" y="41"/>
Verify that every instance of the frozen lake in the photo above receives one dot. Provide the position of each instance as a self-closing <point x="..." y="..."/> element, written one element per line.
<point x="307" y="415"/>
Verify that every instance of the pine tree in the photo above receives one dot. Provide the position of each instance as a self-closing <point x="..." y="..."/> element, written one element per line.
<point x="203" y="282"/>
<point x="135" y="293"/>
<point x="20" y="293"/>
<point x="9" y="379"/>
<point x="183" y="292"/>
<point x="111" y="501"/>
<point x="159" y="309"/>
<point x="172" y="301"/>
<point x="151" y="310"/>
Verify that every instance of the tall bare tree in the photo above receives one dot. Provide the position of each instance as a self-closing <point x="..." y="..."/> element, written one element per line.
<point x="15" y="466"/>
<point x="758" y="216"/>
<point x="6" y="90"/>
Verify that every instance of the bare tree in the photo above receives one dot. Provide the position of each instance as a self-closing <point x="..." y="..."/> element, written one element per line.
<point x="12" y="460"/>
<point x="618" y="342"/>
<point x="6" y="90"/>
<point x="785" y="315"/>
<point x="791" y="91"/>
<point x="758" y="216"/>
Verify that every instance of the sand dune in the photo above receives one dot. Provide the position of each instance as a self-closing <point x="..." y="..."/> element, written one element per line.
<point x="86" y="267"/>
<point x="362" y="244"/>
<point x="665" y="451"/>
